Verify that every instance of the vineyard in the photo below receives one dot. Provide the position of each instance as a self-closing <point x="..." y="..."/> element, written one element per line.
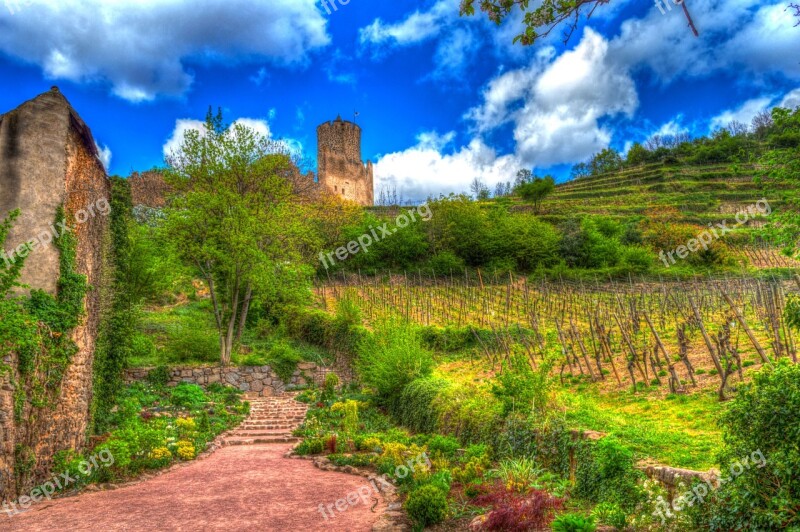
<point x="677" y="336"/>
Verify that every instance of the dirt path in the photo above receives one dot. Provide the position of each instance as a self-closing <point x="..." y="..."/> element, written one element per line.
<point x="246" y="485"/>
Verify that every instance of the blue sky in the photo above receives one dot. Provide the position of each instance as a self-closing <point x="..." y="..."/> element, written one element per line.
<point x="442" y="99"/>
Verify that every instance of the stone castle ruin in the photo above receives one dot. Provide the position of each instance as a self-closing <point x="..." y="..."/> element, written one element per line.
<point x="49" y="160"/>
<point x="339" y="163"/>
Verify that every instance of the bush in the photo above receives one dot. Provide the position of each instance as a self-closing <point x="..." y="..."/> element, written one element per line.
<point x="391" y="358"/>
<point x="761" y="429"/>
<point x="446" y="263"/>
<point x="415" y="409"/>
<point x="283" y="360"/>
<point x="611" y="515"/>
<point x="159" y="376"/>
<point x="188" y="395"/>
<point x="514" y="512"/>
<point x="427" y="506"/>
<point x="573" y="523"/>
<point x="606" y="473"/>
<point x="445" y="445"/>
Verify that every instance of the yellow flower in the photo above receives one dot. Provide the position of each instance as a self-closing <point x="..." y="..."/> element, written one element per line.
<point x="160" y="453"/>
<point x="186" y="450"/>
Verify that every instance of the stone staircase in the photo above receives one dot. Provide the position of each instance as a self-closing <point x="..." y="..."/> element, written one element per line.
<point x="272" y="420"/>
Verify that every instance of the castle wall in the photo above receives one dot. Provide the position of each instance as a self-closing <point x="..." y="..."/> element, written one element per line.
<point x="48" y="159"/>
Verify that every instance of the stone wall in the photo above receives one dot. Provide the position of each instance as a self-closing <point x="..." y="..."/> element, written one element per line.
<point x="49" y="159"/>
<point x="339" y="163"/>
<point x="259" y="380"/>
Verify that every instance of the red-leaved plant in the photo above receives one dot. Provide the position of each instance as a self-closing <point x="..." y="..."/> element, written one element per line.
<point x="516" y="512"/>
<point x="330" y="444"/>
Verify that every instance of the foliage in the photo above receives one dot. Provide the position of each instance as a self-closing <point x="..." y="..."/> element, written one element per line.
<point x="188" y="395"/>
<point x="518" y="475"/>
<point x="537" y="190"/>
<point x="234" y="218"/>
<point x="573" y="523"/>
<point x="610" y="514"/>
<point x="426" y="506"/>
<point x="793" y="311"/>
<point x="538" y="22"/>
<point x="521" y="389"/>
<point x="761" y="456"/>
<point x="391" y="358"/>
<point x="606" y="473"/>
<point x="513" y="512"/>
<point x="283" y="360"/>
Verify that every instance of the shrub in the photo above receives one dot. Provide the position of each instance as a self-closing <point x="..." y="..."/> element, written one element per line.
<point x="573" y="523"/>
<point x="761" y="429"/>
<point x="283" y="360"/>
<point x="611" y="515"/>
<point x="188" y="395"/>
<point x="391" y="358"/>
<point x="311" y="446"/>
<point x="426" y="506"/>
<point x="415" y="408"/>
<point x="159" y="376"/>
<point x="514" y="512"/>
<point x="331" y="382"/>
<point x="443" y="444"/>
<point x="518" y="475"/>
<point x="606" y="473"/>
<point x="446" y="263"/>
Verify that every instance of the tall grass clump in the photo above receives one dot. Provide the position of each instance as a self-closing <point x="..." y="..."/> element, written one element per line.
<point x="391" y="358"/>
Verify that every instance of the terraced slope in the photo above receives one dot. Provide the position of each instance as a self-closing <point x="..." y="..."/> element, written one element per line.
<point x="700" y="194"/>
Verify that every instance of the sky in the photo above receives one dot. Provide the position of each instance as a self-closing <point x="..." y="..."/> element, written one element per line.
<point x="442" y="99"/>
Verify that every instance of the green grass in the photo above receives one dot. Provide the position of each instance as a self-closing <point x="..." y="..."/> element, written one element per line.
<point x="679" y="430"/>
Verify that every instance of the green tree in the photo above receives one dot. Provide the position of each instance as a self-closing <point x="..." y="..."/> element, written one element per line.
<point x="234" y="218"/>
<point x="537" y="190"/>
<point x="608" y="160"/>
<point x="638" y="155"/>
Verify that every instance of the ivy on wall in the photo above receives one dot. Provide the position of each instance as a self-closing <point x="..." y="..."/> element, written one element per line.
<point x="37" y="328"/>
<point x="118" y="324"/>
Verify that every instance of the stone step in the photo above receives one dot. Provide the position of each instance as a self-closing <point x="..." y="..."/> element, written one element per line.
<point x="260" y="433"/>
<point x="261" y="440"/>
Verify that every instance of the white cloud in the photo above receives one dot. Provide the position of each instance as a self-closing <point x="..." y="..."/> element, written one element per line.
<point x="556" y="105"/>
<point x="734" y="34"/>
<point x="142" y="47"/>
<point x="417" y="27"/>
<point x="792" y="99"/>
<point x="182" y="125"/>
<point x="671" y="128"/>
<point x="423" y="170"/>
<point x="744" y="113"/>
<point x="104" y="154"/>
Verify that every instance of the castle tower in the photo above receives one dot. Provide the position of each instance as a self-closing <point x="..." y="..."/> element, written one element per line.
<point x="339" y="163"/>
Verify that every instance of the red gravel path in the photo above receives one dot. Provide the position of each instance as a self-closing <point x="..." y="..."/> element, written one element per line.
<point x="238" y="488"/>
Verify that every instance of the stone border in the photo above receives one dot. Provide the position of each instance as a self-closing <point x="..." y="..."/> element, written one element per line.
<point x="393" y="518"/>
